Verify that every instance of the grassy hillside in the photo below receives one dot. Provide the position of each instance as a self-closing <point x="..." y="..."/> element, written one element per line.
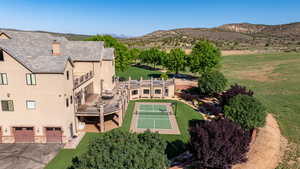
<point x="240" y="36"/>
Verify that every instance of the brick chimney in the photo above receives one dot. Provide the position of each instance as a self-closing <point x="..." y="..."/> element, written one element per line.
<point x="55" y="48"/>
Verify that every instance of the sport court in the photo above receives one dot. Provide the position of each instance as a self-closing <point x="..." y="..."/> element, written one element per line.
<point x="156" y="117"/>
<point x="153" y="116"/>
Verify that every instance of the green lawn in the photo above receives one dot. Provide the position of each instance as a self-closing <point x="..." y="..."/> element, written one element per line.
<point x="275" y="79"/>
<point x="184" y="114"/>
<point x="136" y="72"/>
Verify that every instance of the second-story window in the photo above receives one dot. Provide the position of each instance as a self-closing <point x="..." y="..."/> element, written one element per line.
<point x="1" y="55"/>
<point x="68" y="75"/>
<point x="30" y="79"/>
<point x="3" y="79"/>
<point x="30" y="104"/>
<point x="71" y="99"/>
<point x="7" y="105"/>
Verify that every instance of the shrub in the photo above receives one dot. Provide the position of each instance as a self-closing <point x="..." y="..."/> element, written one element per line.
<point x="233" y="91"/>
<point x="212" y="82"/>
<point x="246" y="111"/>
<point x="218" y="144"/>
<point x="119" y="149"/>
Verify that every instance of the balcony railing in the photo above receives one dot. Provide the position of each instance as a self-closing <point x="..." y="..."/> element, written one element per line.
<point x="82" y="79"/>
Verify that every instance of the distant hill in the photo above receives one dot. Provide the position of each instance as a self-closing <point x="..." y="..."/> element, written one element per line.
<point x="230" y="36"/>
<point x="238" y="36"/>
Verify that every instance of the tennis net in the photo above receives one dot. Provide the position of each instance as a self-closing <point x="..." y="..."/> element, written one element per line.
<point x="153" y="113"/>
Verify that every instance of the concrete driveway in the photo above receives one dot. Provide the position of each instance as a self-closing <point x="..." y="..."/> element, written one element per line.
<point x="27" y="156"/>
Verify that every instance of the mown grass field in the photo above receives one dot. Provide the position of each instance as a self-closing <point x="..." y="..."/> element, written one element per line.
<point x="136" y="72"/>
<point x="184" y="114"/>
<point x="275" y="79"/>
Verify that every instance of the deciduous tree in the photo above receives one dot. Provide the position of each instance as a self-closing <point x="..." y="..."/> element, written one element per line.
<point x="118" y="149"/>
<point x="205" y="57"/>
<point x="176" y="60"/>
<point x="122" y="58"/>
<point x="211" y="83"/>
<point x="246" y="111"/>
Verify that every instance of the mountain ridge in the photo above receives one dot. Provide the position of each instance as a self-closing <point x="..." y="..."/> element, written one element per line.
<point x="228" y="36"/>
<point x="234" y="36"/>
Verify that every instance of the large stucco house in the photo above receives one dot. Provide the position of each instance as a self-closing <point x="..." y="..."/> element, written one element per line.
<point x="52" y="88"/>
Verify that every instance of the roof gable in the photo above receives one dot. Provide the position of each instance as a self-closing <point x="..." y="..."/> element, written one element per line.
<point x="4" y="36"/>
<point x="34" y="50"/>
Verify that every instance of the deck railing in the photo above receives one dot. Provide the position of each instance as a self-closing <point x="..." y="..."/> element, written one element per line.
<point x="82" y="79"/>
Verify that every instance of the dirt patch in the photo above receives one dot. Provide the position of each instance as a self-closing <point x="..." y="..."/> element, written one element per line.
<point x="283" y="147"/>
<point x="265" y="151"/>
<point x="186" y="82"/>
<point x="240" y="52"/>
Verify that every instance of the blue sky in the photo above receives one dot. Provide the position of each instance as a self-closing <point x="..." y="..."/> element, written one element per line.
<point x="138" y="17"/>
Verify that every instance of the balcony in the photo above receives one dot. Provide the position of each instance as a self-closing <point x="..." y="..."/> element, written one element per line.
<point x="135" y="84"/>
<point x="82" y="79"/>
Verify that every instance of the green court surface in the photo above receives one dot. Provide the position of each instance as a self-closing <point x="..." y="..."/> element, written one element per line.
<point x="153" y="116"/>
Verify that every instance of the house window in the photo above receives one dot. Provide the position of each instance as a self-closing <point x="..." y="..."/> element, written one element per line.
<point x="166" y="92"/>
<point x="146" y="91"/>
<point x="67" y="102"/>
<point x="157" y="91"/>
<point x="68" y="76"/>
<point x="135" y="92"/>
<point x="30" y="79"/>
<point x="71" y="99"/>
<point x="1" y="55"/>
<point x="30" y="104"/>
<point x="3" y="79"/>
<point x="7" y="105"/>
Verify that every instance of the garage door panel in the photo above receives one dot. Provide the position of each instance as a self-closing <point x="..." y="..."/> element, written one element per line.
<point x="53" y="135"/>
<point x="24" y="134"/>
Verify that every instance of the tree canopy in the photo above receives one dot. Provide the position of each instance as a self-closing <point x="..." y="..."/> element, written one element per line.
<point x="119" y="149"/>
<point x="246" y="111"/>
<point x="134" y="54"/>
<point x="233" y="91"/>
<point x="176" y="60"/>
<point x="211" y="83"/>
<point x="153" y="56"/>
<point x="122" y="57"/>
<point x="205" y="57"/>
<point x="218" y="144"/>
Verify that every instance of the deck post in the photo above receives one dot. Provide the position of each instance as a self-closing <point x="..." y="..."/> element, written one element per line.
<point x="102" y="129"/>
<point x="101" y="87"/>
<point x="120" y="113"/>
<point x="82" y="97"/>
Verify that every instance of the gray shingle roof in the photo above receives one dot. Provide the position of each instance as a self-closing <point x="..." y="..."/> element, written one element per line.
<point x="108" y="53"/>
<point x="34" y="50"/>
